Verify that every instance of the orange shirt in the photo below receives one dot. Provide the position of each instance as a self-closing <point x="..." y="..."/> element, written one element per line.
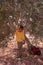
<point x="20" y="36"/>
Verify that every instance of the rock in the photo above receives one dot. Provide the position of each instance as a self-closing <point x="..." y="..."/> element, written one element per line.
<point x="12" y="43"/>
<point x="39" y="60"/>
<point x="23" y="64"/>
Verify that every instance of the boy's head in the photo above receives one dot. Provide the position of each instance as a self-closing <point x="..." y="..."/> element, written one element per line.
<point x="20" y="27"/>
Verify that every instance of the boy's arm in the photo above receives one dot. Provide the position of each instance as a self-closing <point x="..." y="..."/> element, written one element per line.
<point x="23" y="37"/>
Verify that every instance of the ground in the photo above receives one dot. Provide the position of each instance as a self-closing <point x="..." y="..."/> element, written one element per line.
<point x="8" y="56"/>
<point x="10" y="59"/>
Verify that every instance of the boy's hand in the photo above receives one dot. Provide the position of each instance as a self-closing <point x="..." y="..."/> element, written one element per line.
<point x="23" y="41"/>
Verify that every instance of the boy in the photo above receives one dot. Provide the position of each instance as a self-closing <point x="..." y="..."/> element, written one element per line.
<point x="20" y="37"/>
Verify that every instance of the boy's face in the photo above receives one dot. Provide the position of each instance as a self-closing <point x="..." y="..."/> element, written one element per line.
<point x="20" y="29"/>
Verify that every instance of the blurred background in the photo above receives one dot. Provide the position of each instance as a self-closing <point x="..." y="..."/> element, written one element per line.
<point x="29" y="13"/>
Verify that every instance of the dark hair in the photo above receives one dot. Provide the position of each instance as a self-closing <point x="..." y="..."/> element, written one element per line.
<point x="21" y="27"/>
